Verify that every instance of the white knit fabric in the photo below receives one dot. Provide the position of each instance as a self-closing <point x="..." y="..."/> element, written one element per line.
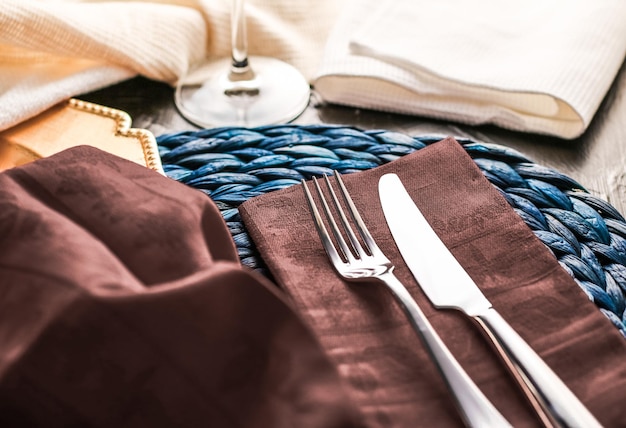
<point x="51" y="50"/>
<point x="542" y="66"/>
<point x="530" y="65"/>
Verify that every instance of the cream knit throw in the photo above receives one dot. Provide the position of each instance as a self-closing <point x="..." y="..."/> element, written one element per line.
<point x="51" y="50"/>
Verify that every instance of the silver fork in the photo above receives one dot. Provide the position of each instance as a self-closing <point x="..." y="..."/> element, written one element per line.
<point x="367" y="262"/>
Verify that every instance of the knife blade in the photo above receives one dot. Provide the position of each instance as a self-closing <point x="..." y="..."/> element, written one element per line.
<point x="447" y="285"/>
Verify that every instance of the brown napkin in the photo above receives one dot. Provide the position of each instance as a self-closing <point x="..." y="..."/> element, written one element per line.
<point x="367" y="336"/>
<point x="122" y="304"/>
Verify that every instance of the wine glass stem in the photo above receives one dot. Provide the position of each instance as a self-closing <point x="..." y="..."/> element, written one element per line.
<point x="240" y="67"/>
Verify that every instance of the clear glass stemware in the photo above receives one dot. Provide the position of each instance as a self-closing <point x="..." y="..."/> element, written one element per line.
<point x="230" y="92"/>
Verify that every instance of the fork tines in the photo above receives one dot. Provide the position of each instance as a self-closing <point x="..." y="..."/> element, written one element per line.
<point x="357" y="248"/>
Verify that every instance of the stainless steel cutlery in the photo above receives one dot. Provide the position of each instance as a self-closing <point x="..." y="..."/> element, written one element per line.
<point x="448" y="285"/>
<point x="355" y="263"/>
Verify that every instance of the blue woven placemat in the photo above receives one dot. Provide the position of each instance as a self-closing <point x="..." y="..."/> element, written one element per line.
<point x="586" y="234"/>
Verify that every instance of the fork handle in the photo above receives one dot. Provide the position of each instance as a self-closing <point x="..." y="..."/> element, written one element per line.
<point x="476" y="410"/>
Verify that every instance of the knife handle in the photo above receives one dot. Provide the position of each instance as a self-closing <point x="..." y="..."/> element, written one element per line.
<point x="476" y="410"/>
<point x="551" y="393"/>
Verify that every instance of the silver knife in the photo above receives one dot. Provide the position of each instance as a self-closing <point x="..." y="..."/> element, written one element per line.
<point x="447" y="285"/>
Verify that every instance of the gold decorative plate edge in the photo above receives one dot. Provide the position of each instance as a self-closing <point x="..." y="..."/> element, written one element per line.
<point x="123" y="128"/>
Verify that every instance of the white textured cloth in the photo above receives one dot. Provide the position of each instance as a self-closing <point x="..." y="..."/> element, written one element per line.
<point x="51" y="50"/>
<point x="539" y="66"/>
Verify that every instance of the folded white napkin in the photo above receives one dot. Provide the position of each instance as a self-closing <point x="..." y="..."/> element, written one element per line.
<point x="51" y="50"/>
<point x="540" y="66"/>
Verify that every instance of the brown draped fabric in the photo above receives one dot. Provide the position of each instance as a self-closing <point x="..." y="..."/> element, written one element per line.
<point x="122" y="304"/>
<point x="366" y="335"/>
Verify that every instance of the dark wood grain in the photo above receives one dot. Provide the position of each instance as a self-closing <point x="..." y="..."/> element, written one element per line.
<point x="597" y="159"/>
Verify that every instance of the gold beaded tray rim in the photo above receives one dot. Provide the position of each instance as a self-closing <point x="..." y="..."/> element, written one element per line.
<point x="123" y="128"/>
<point x="76" y="122"/>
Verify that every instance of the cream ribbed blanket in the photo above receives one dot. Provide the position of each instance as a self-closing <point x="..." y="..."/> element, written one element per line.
<point x="51" y="50"/>
<point x="539" y="66"/>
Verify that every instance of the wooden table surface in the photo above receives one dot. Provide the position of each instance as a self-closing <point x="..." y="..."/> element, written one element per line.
<point x="597" y="159"/>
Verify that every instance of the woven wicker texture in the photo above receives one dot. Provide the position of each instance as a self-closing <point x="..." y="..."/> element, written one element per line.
<point x="586" y="234"/>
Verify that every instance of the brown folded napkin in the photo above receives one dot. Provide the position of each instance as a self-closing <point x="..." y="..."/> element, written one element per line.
<point x="365" y="333"/>
<point x="122" y="304"/>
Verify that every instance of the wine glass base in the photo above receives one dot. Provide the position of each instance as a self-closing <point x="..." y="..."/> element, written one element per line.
<point x="277" y="94"/>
